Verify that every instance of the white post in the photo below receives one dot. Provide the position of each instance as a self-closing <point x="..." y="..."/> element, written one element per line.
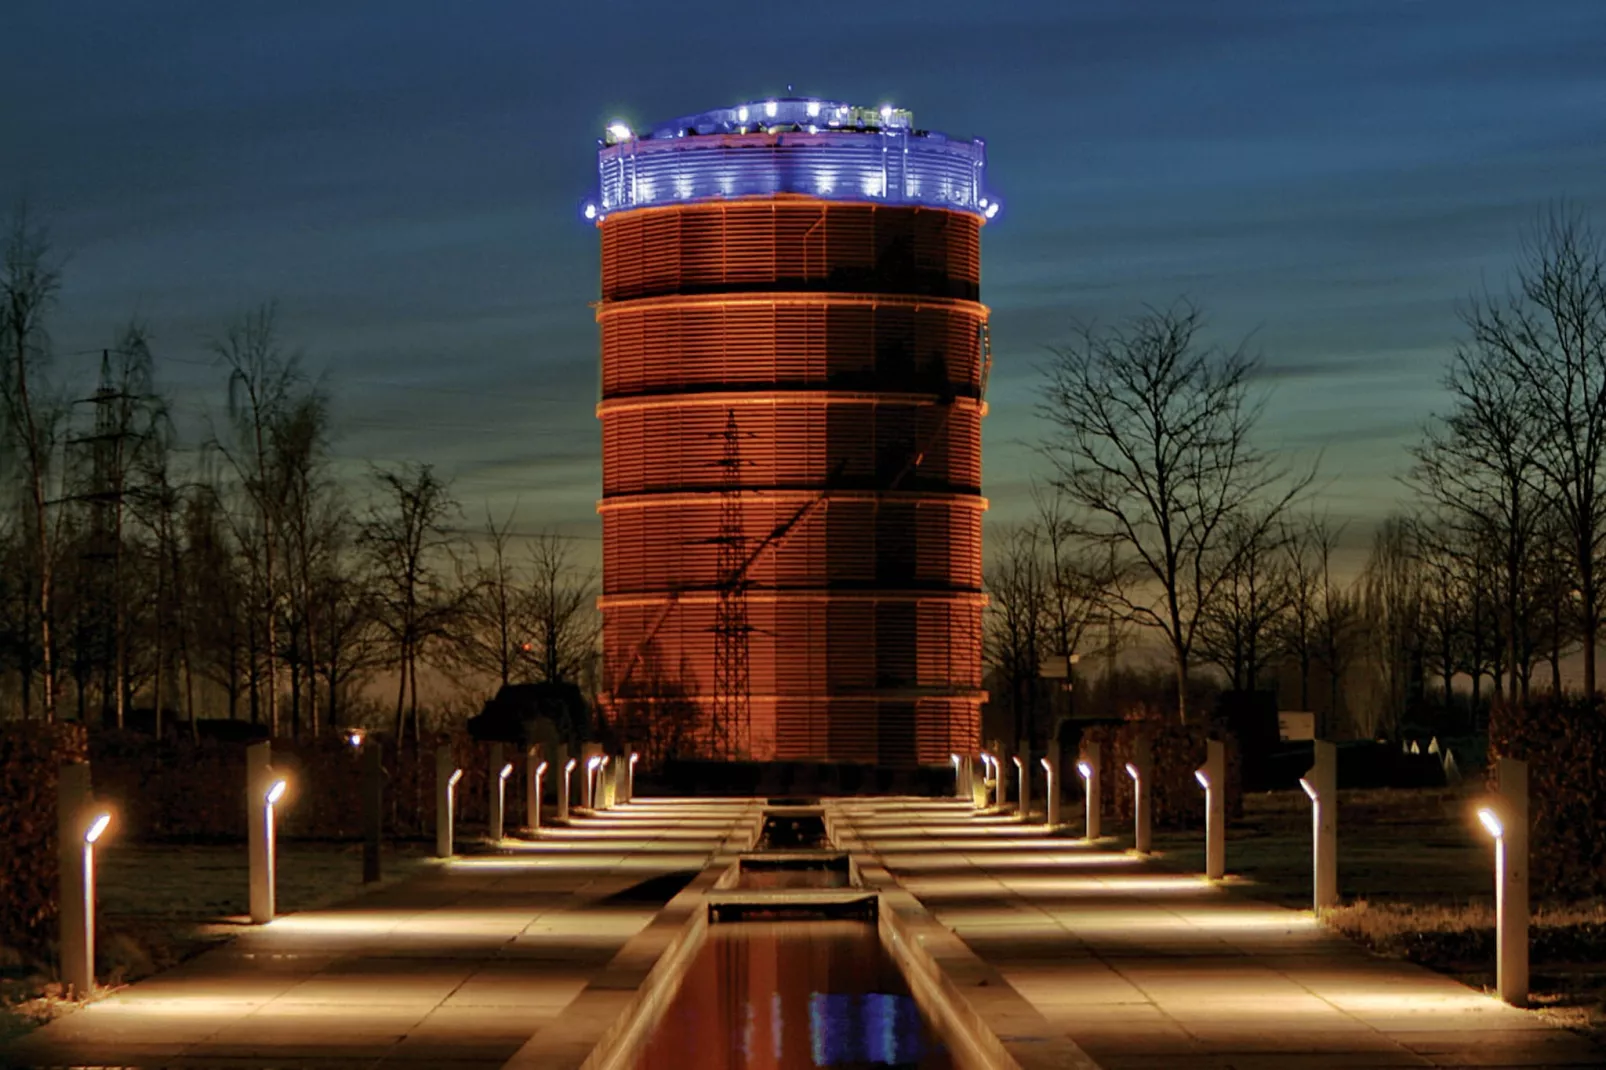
<point x="607" y="780"/>
<point x="78" y="826"/>
<point x="1088" y="766"/>
<point x="1138" y="769"/>
<point x="1000" y="782"/>
<point x="263" y="791"/>
<point x="535" y="796"/>
<point x="959" y="780"/>
<point x="1023" y="783"/>
<point x="1212" y="776"/>
<point x="499" y="800"/>
<point x="568" y="789"/>
<point x="446" y="777"/>
<point x="1506" y="818"/>
<point x="566" y="765"/>
<point x="1051" y="783"/>
<point x="592" y="753"/>
<point x="630" y="777"/>
<point x="978" y="787"/>
<point x="495" y="796"/>
<point x="1321" y="784"/>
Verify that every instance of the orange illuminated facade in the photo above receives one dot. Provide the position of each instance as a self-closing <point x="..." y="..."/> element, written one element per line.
<point x="793" y="381"/>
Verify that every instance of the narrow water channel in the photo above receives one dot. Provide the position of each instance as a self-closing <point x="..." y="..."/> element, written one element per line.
<point x="784" y="995"/>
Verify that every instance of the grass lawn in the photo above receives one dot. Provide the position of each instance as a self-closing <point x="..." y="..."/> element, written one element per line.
<point x="1416" y="876"/>
<point x="160" y="904"/>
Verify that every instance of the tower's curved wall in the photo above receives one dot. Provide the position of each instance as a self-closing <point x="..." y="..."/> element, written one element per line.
<point x="846" y="339"/>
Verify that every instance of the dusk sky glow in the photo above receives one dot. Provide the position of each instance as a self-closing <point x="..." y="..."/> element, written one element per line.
<point x="407" y="181"/>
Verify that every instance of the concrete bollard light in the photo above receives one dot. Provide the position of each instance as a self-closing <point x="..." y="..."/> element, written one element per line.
<point x="1321" y="784"/>
<point x="495" y="797"/>
<point x="534" y="766"/>
<point x="987" y="780"/>
<point x="607" y="783"/>
<point x="264" y="790"/>
<point x="1212" y="776"/>
<point x="959" y="781"/>
<point x="534" y="801"/>
<point x="499" y="803"/>
<point x="447" y="774"/>
<point x="1138" y="769"/>
<point x="79" y="826"/>
<point x="568" y="787"/>
<point x="1506" y="819"/>
<point x="587" y="792"/>
<point x="630" y="777"/>
<point x="1088" y="766"/>
<point x="1051" y="800"/>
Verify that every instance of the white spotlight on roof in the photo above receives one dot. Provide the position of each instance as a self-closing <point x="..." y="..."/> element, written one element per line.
<point x="741" y="114"/>
<point x="619" y="131"/>
<point x="813" y="108"/>
<point x="591" y="211"/>
<point x="769" y="108"/>
<point x="992" y="209"/>
<point x="886" y="111"/>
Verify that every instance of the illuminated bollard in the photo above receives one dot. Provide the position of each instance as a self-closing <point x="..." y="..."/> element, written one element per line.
<point x="1212" y="776"/>
<point x="535" y="777"/>
<point x="984" y="784"/>
<point x="591" y="756"/>
<point x="1506" y="818"/>
<point x="495" y="799"/>
<point x="1321" y="784"/>
<point x="264" y="789"/>
<point x="446" y="777"/>
<point x="373" y="807"/>
<point x="1051" y="785"/>
<point x="607" y="781"/>
<point x="499" y="802"/>
<point x="568" y="788"/>
<point x="79" y="824"/>
<point x="566" y="766"/>
<point x="630" y="777"/>
<point x="959" y="780"/>
<point x="1138" y="769"/>
<point x="1000" y="782"/>
<point x="534" y="768"/>
<point x="1088" y="766"/>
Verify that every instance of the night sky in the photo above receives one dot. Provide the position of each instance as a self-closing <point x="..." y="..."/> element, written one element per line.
<point x="406" y="180"/>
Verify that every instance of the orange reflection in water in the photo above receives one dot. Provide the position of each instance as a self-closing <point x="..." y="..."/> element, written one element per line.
<point x="783" y="995"/>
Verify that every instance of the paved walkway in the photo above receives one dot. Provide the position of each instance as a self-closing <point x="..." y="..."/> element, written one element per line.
<point x="1144" y="968"/>
<point x="458" y="967"/>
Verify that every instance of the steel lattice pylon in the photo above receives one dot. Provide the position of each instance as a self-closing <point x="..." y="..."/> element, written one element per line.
<point x="731" y="723"/>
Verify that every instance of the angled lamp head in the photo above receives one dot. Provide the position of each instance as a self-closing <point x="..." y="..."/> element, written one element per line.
<point x="1310" y="789"/>
<point x="540" y="769"/>
<point x="97" y="826"/>
<point x="457" y="774"/>
<point x="1086" y="769"/>
<point x="1132" y="771"/>
<point x="1049" y="769"/>
<point x="1203" y="778"/>
<point x="569" y="768"/>
<point x="276" y="791"/>
<point x="1491" y="821"/>
<point x="507" y="770"/>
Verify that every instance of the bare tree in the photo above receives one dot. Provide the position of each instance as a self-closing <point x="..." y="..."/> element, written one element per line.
<point x="562" y="609"/>
<point x="1549" y="334"/>
<point x="1078" y="576"/>
<point x="1391" y="605"/>
<point x="1153" y="447"/>
<point x="263" y="379"/>
<point x="1479" y="464"/>
<point x="1238" y="630"/>
<point x="1016" y="635"/>
<point x="496" y="622"/>
<point x="28" y="288"/>
<point x="409" y="541"/>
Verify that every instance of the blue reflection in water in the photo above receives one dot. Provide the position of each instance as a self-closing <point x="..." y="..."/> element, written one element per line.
<point x="876" y="1028"/>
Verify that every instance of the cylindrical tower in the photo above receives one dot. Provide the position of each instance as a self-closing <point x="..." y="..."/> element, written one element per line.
<point x="793" y="362"/>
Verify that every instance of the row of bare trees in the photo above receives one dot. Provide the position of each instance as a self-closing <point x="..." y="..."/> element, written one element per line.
<point x="245" y="574"/>
<point x="1177" y="523"/>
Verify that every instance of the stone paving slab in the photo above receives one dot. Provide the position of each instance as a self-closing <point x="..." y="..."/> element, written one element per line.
<point x="1146" y="968"/>
<point x="459" y="966"/>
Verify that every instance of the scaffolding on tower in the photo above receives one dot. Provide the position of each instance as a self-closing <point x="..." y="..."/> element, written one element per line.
<point x="731" y="721"/>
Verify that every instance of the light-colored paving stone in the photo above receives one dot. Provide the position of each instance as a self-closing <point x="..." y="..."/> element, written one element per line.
<point x="1144" y="968"/>
<point x="460" y="966"/>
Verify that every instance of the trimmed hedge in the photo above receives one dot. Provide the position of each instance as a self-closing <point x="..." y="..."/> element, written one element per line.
<point x="177" y="789"/>
<point x="30" y="753"/>
<point x="1563" y="740"/>
<point x="1175" y="796"/>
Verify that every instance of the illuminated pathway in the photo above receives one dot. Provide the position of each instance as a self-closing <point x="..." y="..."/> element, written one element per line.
<point x="1142" y="968"/>
<point x="458" y="967"/>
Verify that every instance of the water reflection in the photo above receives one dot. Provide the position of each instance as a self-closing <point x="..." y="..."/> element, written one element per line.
<point x="779" y="995"/>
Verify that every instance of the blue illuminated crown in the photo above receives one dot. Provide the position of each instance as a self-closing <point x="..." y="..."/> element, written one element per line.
<point x="818" y="148"/>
